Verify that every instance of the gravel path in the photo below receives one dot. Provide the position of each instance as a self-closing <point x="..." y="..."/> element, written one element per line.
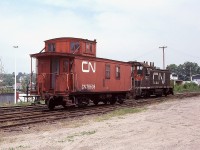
<point x="168" y="125"/>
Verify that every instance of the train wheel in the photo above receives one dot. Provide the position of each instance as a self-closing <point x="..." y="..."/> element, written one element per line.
<point x="120" y="99"/>
<point x="105" y="102"/>
<point x="113" y="101"/>
<point x="51" y="104"/>
<point x="64" y="105"/>
<point x="85" y="101"/>
<point x="136" y="97"/>
<point x="159" y="95"/>
<point x="147" y="95"/>
<point x="96" y="102"/>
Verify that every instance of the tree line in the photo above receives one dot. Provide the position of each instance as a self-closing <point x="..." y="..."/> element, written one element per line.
<point x="185" y="70"/>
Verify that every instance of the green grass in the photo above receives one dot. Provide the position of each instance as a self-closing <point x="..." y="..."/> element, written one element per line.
<point x="19" y="147"/>
<point x="71" y="138"/>
<point x="17" y="104"/>
<point x="119" y="113"/>
<point x="88" y="132"/>
<point x="116" y="113"/>
<point x="187" y="87"/>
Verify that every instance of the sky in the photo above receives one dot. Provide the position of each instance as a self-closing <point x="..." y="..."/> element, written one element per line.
<point x="125" y="30"/>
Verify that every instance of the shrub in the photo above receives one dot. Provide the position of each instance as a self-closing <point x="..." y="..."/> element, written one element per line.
<point x="187" y="87"/>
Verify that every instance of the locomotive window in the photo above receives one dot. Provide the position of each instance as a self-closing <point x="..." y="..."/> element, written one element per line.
<point x="51" y="47"/>
<point x="117" y="72"/>
<point x="139" y="69"/>
<point x="107" y="71"/>
<point x="132" y="68"/>
<point x="74" y="46"/>
<point x="89" y="47"/>
<point x="148" y="71"/>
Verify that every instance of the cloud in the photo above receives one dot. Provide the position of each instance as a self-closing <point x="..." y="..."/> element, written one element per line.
<point x="124" y="30"/>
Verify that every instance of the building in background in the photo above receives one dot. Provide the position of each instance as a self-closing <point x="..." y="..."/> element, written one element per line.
<point x="196" y="79"/>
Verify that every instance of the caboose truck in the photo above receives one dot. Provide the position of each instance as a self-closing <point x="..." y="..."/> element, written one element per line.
<point x="69" y="73"/>
<point x="147" y="80"/>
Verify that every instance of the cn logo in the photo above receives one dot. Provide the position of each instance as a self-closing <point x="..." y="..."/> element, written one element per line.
<point x="87" y="66"/>
<point x="157" y="77"/>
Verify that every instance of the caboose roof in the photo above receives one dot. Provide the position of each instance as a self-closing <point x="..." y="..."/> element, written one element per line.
<point x="47" y="54"/>
<point x="69" y="39"/>
<point x="69" y="55"/>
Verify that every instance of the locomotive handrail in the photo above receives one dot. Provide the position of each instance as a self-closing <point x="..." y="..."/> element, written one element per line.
<point x="67" y="81"/>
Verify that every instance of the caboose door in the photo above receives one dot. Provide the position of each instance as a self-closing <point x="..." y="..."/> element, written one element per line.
<point x="67" y="75"/>
<point x="54" y="71"/>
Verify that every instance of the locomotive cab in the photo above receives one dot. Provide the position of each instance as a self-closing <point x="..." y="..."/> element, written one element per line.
<point x="140" y="76"/>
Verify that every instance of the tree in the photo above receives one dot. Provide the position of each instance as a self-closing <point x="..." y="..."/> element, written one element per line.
<point x="1" y="71"/>
<point x="185" y="71"/>
<point x="8" y="80"/>
<point x="173" y="68"/>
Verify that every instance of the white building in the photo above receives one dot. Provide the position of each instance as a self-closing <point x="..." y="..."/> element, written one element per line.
<point x="196" y="78"/>
<point x="174" y="76"/>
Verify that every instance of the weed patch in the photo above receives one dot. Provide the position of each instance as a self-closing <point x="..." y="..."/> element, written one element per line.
<point x="70" y="138"/>
<point x="187" y="87"/>
<point x="119" y="112"/>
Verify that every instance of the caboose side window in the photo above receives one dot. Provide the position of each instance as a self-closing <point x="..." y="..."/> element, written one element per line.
<point x="74" y="47"/>
<point x="107" y="71"/>
<point x="51" y="47"/>
<point x="117" y="72"/>
<point x="88" y="47"/>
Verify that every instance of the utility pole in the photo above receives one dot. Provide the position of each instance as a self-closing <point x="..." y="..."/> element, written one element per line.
<point x="15" y="100"/>
<point x="163" y="47"/>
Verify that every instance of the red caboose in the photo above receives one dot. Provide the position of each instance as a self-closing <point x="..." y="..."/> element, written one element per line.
<point x="69" y="73"/>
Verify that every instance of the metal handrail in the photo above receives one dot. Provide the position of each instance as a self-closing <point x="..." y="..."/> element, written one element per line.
<point x="44" y="75"/>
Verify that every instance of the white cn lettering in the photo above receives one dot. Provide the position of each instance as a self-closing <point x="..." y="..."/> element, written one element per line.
<point x="157" y="77"/>
<point x="86" y="66"/>
<point x="162" y="78"/>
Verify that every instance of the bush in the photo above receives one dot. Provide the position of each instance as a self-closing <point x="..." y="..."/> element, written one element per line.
<point x="187" y="87"/>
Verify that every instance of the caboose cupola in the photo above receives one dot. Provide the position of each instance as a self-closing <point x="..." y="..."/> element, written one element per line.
<point x="71" y="45"/>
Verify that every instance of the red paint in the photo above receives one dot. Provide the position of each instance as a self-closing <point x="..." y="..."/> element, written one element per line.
<point x="80" y="74"/>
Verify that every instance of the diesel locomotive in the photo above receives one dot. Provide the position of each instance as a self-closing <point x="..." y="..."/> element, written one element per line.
<point x="69" y="73"/>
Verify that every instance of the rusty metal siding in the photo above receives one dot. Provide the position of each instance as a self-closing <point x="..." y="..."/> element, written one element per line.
<point x="90" y="75"/>
<point x="44" y="76"/>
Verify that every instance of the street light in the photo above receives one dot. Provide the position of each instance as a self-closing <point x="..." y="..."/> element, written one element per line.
<point x="15" y="100"/>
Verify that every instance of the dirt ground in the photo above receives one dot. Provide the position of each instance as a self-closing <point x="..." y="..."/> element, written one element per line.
<point x="169" y="125"/>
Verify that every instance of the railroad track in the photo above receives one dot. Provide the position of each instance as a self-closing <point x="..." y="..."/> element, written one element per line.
<point x="20" y="119"/>
<point x="19" y="108"/>
<point x="14" y="117"/>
